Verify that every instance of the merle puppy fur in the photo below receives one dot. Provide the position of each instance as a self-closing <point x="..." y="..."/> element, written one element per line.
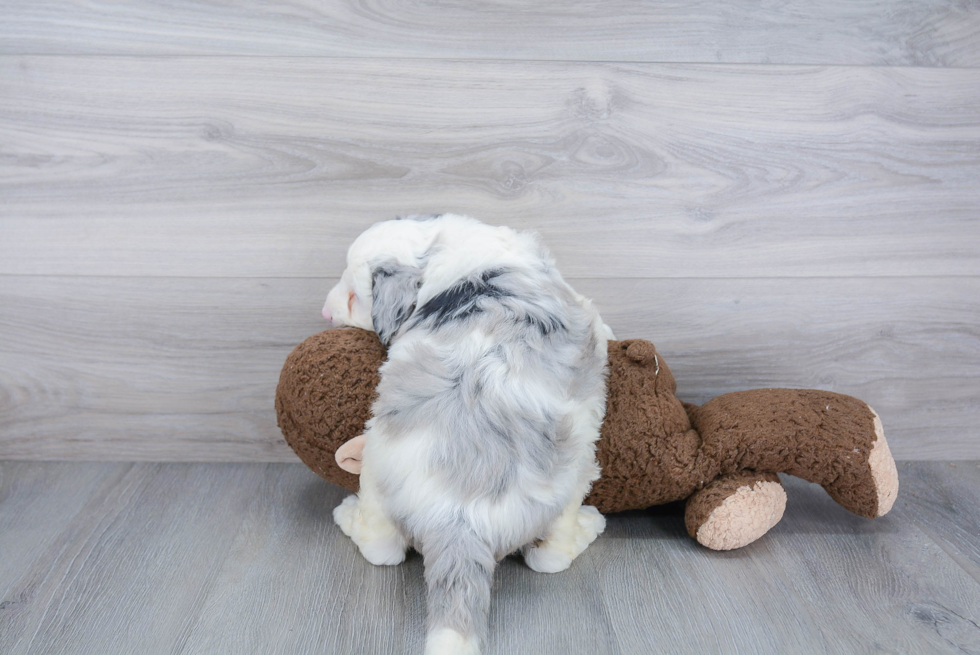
<point x="482" y="440"/>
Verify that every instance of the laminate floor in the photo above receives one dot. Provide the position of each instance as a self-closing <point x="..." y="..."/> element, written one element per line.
<point x="106" y="558"/>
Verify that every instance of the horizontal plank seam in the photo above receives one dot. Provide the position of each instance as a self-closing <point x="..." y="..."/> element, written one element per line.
<point x="713" y="64"/>
<point x="258" y="462"/>
<point x="54" y="276"/>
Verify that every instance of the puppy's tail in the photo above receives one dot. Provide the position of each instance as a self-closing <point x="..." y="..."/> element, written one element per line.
<point x="459" y="573"/>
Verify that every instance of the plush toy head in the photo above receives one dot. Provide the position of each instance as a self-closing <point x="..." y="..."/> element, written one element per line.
<point x="722" y="457"/>
<point x="324" y="397"/>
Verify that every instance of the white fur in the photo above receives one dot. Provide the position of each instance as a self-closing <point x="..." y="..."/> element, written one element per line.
<point x="446" y="641"/>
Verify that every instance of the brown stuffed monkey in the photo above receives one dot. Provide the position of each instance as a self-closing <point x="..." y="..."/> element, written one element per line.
<point x="722" y="457"/>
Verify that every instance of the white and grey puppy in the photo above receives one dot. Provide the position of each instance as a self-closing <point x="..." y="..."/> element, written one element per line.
<point x="482" y="440"/>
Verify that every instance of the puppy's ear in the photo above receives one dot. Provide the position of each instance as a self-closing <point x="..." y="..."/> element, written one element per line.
<point x="394" y="290"/>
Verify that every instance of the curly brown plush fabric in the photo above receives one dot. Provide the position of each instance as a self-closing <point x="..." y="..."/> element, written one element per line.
<point x="324" y="397"/>
<point x="648" y="451"/>
<point x="653" y="449"/>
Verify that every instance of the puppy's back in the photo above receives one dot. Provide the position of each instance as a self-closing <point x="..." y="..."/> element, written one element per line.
<point x="487" y="413"/>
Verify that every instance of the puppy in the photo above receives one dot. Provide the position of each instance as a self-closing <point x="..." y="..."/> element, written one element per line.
<point x="482" y="439"/>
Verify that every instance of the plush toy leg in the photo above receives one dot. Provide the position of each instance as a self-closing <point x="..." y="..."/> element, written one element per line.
<point x="735" y="510"/>
<point x="828" y="438"/>
<point x="865" y="483"/>
<point x="573" y="531"/>
<point x="361" y="518"/>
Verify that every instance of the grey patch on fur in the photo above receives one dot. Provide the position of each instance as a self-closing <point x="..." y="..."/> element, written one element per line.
<point x="461" y="300"/>
<point x="394" y="288"/>
<point x="493" y="289"/>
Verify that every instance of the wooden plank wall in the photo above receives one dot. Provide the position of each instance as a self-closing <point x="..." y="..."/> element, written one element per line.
<point x="776" y="195"/>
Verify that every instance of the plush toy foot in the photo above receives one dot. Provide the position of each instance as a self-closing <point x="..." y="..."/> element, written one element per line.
<point x="735" y="510"/>
<point x="883" y="470"/>
<point x="865" y="480"/>
<point x="571" y="534"/>
<point x="375" y="536"/>
<point x="446" y="641"/>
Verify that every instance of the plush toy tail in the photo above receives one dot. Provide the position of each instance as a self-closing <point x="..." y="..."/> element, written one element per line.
<point x="833" y="440"/>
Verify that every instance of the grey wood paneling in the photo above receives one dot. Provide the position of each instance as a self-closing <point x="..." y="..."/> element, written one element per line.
<point x="186" y="368"/>
<point x="219" y="166"/>
<point x="224" y="558"/>
<point x="923" y="33"/>
<point x="783" y="194"/>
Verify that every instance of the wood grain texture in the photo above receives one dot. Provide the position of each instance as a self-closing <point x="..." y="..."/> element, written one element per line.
<point x="942" y="501"/>
<point x="826" y="581"/>
<point x="185" y="369"/>
<point x="194" y="559"/>
<point x="295" y="585"/>
<point x="219" y="166"/>
<point x="130" y="571"/>
<point x="925" y="33"/>
<point x="30" y="522"/>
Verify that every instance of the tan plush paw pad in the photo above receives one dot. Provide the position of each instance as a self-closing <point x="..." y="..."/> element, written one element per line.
<point x="883" y="469"/>
<point x="744" y="516"/>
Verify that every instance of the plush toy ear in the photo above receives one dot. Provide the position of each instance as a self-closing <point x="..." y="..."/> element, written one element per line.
<point x="394" y="290"/>
<point x="349" y="455"/>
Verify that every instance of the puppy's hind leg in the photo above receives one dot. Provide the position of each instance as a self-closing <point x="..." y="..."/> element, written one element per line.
<point x="362" y="518"/>
<point x="570" y="534"/>
<point x="578" y="525"/>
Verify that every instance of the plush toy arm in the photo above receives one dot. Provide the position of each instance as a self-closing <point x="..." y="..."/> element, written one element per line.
<point x="833" y="440"/>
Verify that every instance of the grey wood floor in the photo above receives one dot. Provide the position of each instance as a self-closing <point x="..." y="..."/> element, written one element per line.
<point x="122" y="558"/>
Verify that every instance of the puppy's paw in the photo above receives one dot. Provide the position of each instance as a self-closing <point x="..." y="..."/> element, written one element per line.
<point x="446" y="641"/>
<point x="345" y="513"/>
<point x="566" y="542"/>
<point x="591" y="523"/>
<point x="378" y="540"/>
<point x="547" y="559"/>
<point x="383" y="551"/>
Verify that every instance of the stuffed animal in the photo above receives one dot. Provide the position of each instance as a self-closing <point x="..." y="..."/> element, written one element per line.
<point x="722" y="457"/>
